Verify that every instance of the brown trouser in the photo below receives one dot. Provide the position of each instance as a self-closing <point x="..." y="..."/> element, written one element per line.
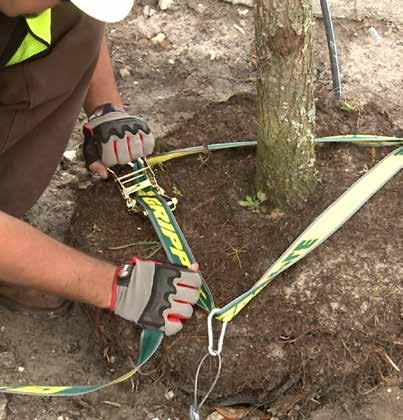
<point x="39" y="104"/>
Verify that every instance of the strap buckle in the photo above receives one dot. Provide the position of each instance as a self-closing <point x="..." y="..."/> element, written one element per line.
<point x="141" y="179"/>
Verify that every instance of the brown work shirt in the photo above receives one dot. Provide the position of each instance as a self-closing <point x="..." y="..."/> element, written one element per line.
<point x="39" y="104"/>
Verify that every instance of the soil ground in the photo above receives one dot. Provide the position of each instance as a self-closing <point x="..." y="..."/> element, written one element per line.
<point x="321" y="337"/>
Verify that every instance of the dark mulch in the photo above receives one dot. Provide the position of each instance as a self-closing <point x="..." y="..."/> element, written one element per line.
<point x="321" y="331"/>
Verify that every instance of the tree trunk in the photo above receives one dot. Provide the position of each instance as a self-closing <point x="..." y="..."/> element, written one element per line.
<point x="286" y="110"/>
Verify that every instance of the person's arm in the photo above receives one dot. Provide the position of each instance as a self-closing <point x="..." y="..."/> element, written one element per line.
<point x="102" y="88"/>
<point x="121" y="137"/>
<point x="148" y="293"/>
<point x="25" y="7"/>
<point x="30" y="258"/>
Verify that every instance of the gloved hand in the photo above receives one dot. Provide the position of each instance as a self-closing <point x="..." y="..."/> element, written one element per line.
<point x="114" y="137"/>
<point x="155" y="295"/>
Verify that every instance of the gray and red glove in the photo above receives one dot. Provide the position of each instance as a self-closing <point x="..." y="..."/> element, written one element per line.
<point x="154" y="295"/>
<point x="115" y="137"/>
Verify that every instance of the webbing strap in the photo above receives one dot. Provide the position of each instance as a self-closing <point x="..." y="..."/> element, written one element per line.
<point x="173" y="240"/>
<point x="316" y="233"/>
<point x="356" y="139"/>
<point x="322" y="227"/>
<point x="149" y="341"/>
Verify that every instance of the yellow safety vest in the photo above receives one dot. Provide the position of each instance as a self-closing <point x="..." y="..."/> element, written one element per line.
<point x="38" y="39"/>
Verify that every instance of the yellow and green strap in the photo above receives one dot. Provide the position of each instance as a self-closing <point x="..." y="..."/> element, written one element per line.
<point x="170" y="235"/>
<point x="149" y="340"/>
<point x="322" y="227"/>
<point x="357" y="139"/>
<point x="165" y="224"/>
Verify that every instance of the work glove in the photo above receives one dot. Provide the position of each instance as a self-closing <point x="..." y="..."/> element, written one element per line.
<point x="155" y="295"/>
<point x="114" y="137"/>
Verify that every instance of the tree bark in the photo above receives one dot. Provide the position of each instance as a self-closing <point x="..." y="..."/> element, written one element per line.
<point x="286" y="110"/>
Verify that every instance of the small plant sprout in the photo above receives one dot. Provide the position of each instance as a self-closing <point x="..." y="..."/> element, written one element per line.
<point x="236" y="253"/>
<point x="254" y="202"/>
<point x="349" y="107"/>
<point x="203" y="158"/>
<point x="177" y="192"/>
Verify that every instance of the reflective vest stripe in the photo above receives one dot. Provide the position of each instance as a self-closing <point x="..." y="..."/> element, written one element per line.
<point x="37" y="40"/>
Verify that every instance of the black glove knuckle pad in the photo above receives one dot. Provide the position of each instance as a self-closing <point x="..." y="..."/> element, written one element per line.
<point x="119" y="127"/>
<point x="163" y="287"/>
